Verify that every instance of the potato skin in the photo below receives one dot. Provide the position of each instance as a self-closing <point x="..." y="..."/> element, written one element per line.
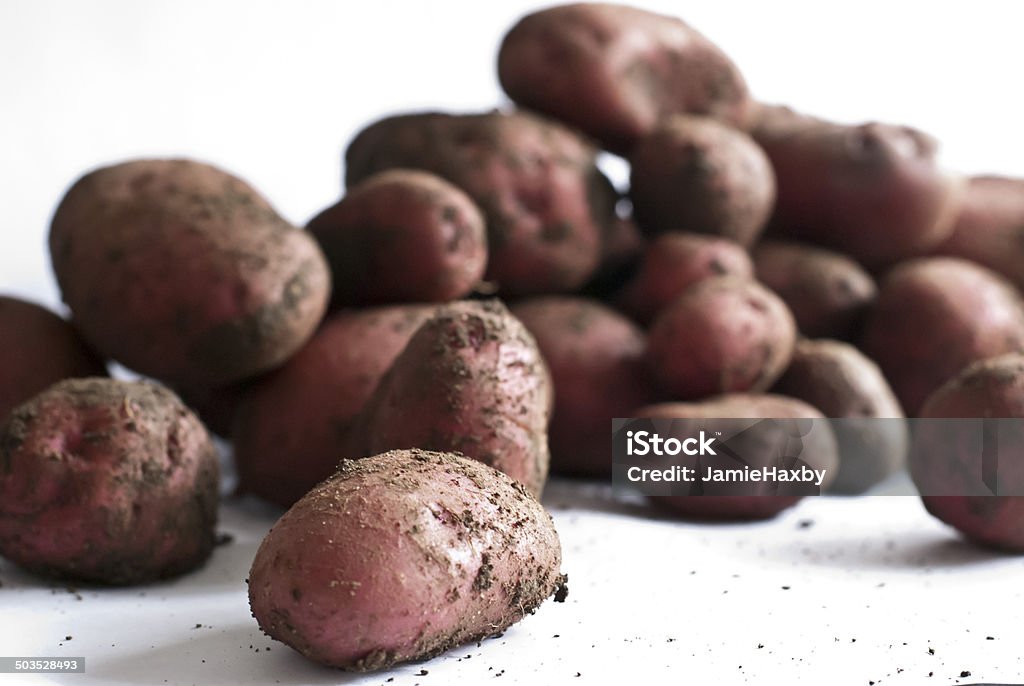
<point x="827" y="293"/>
<point x="990" y="227"/>
<point x="872" y="191"/>
<point x="672" y="263"/>
<point x="402" y="556"/>
<point x="106" y="481"/>
<point x="292" y="426"/>
<point x="940" y="459"/>
<point x="819" y="451"/>
<point x="934" y="316"/>
<point x="38" y="349"/>
<point x="183" y="272"/>
<point x="546" y="204"/>
<point x="615" y="71"/>
<point x="402" y="236"/>
<point x="723" y="335"/>
<point x="471" y="380"/>
<point x="698" y="175"/>
<point x="839" y="381"/>
<point x="595" y="356"/>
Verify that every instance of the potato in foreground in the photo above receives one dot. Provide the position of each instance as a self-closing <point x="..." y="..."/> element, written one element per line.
<point x="402" y="556"/>
<point x="106" y="481"/>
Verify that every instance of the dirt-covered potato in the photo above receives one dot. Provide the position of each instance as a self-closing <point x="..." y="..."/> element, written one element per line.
<point x="787" y="441"/>
<point x="873" y="191"/>
<point x="724" y="335"/>
<point x="827" y="293"/>
<point x="471" y="380"/>
<point x="671" y="264"/>
<point x="990" y="227"/>
<point x="933" y="317"/>
<point x="546" y="204"/>
<point x="105" y="481"/>
<point x="595" y="356"/>
<point x="292" y="426"/>
<point x="616" y="71"/>
<point x="698" y="175"/>
<point x="183" y="272"/>
<point x="38" y="349"/>
<point x="839" y="381"/>
<point x="947" y="457"/>
<point x="402" y="556"/>
<point x="402" y="236"/>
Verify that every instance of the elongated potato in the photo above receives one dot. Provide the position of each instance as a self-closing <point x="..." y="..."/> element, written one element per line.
<point x="183" y="272"/>
<point x="292" y="427"/>
<point x="827" y="293"/>
<point x="402" y="236"/>
<point x="38" y="349"/>
<point x="616" y="71"/>
<point x="402" y="556"/>
<point x="106" y="481"/>
<point x="789" y="436"/>
<point x="470" y="380"/>
<point x="546" y="203"/>
<point x="724" y="335"/>
<point x="698" y="175"/>
<point x="873" y="191"/>
<point x="933" y="317"/>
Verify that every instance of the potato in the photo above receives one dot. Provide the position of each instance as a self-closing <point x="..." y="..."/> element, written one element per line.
<point x="873" y="191"/>
<point x="827" y="293"/>
<point x="471" y="380"/>
<point x="38" y="349"/>
<point x="803" y="442"/>
<point x="698" y="175"/>
<point x="293" y="425"/>
<point x="546" y="204"/>
<point x="105" y="481"/>
<point x="402" y="556"/>
<point x="839" y="381"/>
<point x="595" y="356"/>
<point x="724" y="335"/>
<point x="933" y="317"/>
<point x="402" y="236"/>
<point x="183" y="272"/>
<point x="990" y="227"/>
<point x="672" y="263"/>
<point x="947" y="458"/>
<point x="616" y="71"/>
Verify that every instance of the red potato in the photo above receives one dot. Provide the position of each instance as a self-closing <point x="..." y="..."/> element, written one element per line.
<point x="947" y="457"/>
<point x="724" y="335"/>
<point x="827" y="293"/>
<point x="292" y="426"/>
<point x="672" y="263"/>
<point x="933" y="317"/>
<point x="839" y="381"/>
<point x="402" y="236"/>
<point x="38" y="349"/>
<point x="402" y="556"/>
<point x="595" y="356"/>
<point x="615" y="72"/>
<point x="546" y="204"/>
<point x="698" y="175"/>
<point x="873" y="191"/>
<point x="810" y="443"/>
<point x="990" y="227"/>
<point x="471" y="380"/>
<point x="183" y="272"/>
<point x="106" y="481"/>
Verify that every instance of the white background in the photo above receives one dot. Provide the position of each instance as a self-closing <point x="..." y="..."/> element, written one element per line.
<point x="273" y="91"/>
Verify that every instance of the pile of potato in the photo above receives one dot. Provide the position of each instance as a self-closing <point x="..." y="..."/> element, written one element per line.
<point x="474" y="311"/>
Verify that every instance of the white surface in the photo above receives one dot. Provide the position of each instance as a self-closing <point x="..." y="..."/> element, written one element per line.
<point x="273" y="91"/>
